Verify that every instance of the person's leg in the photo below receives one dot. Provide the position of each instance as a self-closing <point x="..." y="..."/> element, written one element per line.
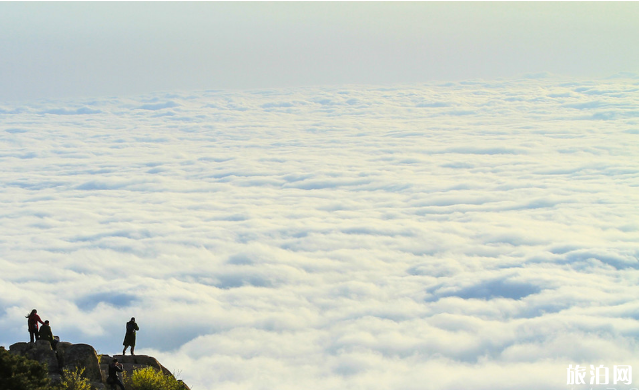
<point x="31" y="336"/>
<point x="132" y="348"/>
<point x="119" y="383"/>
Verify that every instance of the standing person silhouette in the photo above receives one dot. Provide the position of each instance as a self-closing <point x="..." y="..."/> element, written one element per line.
<point x="32" y="320"/>
<point x="129" y="337"/>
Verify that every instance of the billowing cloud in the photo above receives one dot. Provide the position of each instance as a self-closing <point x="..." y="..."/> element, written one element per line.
<point x="440" y="236"/>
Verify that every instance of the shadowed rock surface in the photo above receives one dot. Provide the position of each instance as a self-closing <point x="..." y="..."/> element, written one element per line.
<point x="40" y="351"/>
<point x="71" y="356"/>
<point x="130" y="363"/>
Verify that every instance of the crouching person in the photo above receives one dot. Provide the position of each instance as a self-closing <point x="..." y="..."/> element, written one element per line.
<point x="113" y="378"/>
<point x="46" y="334"/>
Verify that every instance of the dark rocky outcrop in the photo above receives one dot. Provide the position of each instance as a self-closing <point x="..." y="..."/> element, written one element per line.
<point x="132" y="362"/>
<point x="40" y="351"/>
<point x="71" y="356"/>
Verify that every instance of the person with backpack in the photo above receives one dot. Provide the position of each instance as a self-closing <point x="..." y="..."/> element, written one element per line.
<point x="32" y="321"/>
<point x="129" y="337"/>
<point x="46" y="334"/>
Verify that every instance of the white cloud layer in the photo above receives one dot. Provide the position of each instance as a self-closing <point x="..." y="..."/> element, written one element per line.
<point x="465" y="235"/>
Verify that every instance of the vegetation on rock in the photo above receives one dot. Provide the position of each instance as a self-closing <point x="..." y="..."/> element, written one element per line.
<point x="74" y="380"/>
<point x="20" y="373"/>
<point x="149" y="378"/>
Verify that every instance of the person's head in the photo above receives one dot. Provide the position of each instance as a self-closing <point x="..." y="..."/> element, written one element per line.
<point x="46" y="322"/>
<point x="115" y="360"/>
<point x="133" y="319"/>
<point x="34" y="311"/>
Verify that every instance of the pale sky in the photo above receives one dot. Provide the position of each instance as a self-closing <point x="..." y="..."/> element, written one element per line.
<point x="76" y="49"/>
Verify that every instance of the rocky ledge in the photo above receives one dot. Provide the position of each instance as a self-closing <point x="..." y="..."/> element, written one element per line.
<point x="71" y="356"/>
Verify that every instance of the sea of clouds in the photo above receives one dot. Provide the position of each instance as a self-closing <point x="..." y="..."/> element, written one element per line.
<point x="466" y="235"/>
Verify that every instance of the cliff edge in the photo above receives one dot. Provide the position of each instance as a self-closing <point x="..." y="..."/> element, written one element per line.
<point x="71" y="356"/>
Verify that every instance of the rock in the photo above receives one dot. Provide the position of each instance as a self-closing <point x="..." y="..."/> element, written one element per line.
<point x="81" y="356"/>
<point x="19" y="348"/>
<point x="71" y="356"/>
<point x="62" y="346"/>
<point x="55" y="378"/>
<point x="98" y="386"/>
<point x="131" y="363"/>
<point x="40" y="351"/>
<point x="140" y="361"/>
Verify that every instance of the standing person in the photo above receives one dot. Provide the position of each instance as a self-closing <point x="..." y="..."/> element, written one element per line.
<point x="33" y="319"/>
<point x="129" y="338"/>
<point x="113" y="379"/>
<point x="46" y="334"/>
